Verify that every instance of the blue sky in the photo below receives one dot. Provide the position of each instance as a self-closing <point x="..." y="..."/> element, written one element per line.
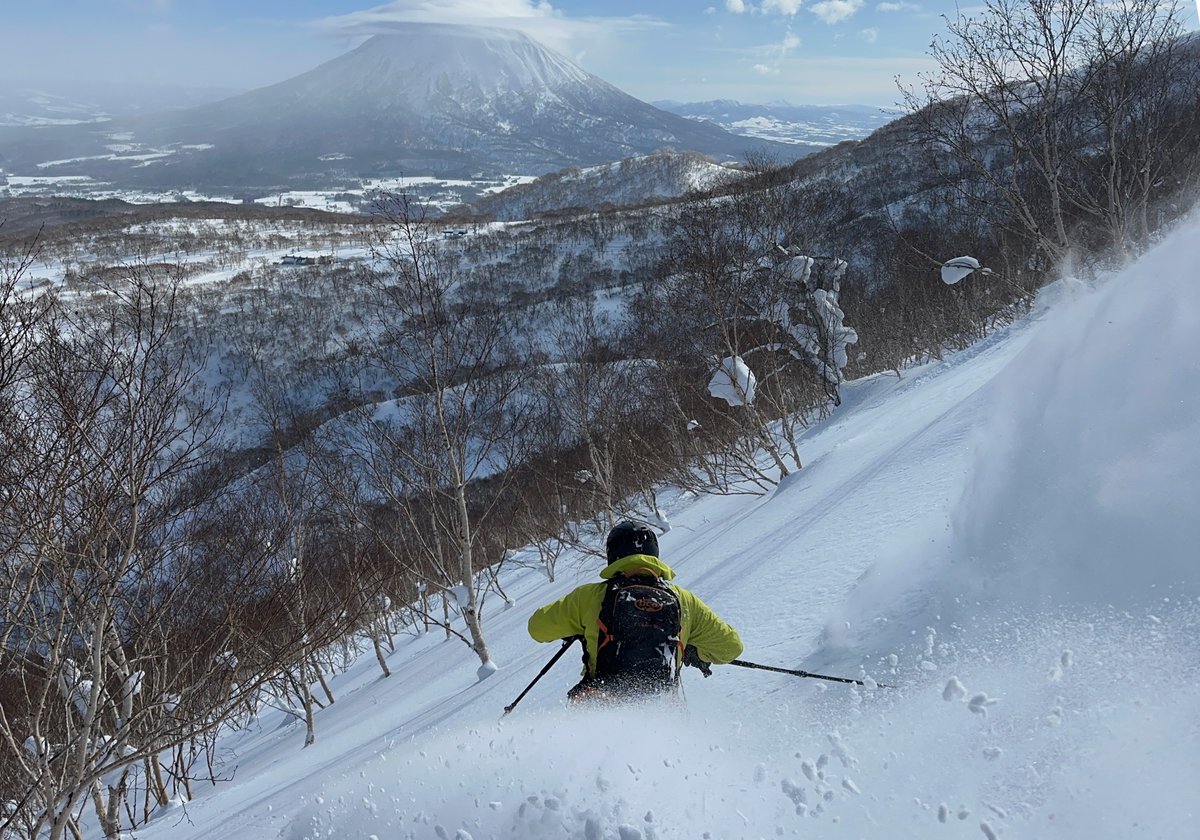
<point x="803" y="51"/>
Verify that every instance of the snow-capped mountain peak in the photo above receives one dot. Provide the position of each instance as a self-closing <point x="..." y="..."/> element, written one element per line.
<point x="435" y="62"/>
<point x="422" y="99"/>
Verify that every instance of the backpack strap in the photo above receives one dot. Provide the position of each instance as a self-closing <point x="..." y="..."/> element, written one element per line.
<point x="605" y="620"/>
<point x="603" y="636"/>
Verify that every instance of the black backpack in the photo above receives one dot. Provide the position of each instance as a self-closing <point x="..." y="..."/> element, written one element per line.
<point x="640" y="621"/>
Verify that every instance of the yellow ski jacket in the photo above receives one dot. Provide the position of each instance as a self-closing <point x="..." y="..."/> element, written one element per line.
<point x="578" y="613"/>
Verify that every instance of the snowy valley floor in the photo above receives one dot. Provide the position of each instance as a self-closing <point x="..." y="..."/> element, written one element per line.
<point x="1008" y="537"/>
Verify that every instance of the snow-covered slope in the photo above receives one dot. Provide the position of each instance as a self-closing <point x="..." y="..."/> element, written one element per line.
<point x="623" y="183"/>
<point x="1008" y="537"/>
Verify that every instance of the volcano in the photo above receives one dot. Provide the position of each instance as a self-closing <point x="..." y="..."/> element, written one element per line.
<point x="421" y="99"/>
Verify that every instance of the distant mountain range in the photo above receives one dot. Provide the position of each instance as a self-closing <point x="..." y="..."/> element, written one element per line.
<point x="802" y="125"/>
<point x="424" y="99"/>
<point x="58" y="103"/>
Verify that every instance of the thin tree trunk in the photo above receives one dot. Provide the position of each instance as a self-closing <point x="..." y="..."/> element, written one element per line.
<point x="310" y="731"/>
<point x="154" y="780"/>
<point x="379" y="654"/>
<point x="324" y="685"/>
<point x="467" y="572"/>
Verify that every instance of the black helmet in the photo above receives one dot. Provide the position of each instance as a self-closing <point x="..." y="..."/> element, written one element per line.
<point x="629" y="537"/>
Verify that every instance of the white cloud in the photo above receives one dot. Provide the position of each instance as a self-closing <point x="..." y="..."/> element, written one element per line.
<point x="900" y="6"/>
<point x="771" y="56"/>
<point x="536" y="18"/>
<point x="870" y="34"/>
<point x="835" y="11"/>
<point x="735" y="6"/>
<point x="784" y="7"/>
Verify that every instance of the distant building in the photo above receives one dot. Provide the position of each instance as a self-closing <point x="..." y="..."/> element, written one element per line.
<point x="304" y="259"/>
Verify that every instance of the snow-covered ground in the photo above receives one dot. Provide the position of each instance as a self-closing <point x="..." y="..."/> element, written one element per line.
<point x="438" y="194"/>
<point x="1009" y="538"/>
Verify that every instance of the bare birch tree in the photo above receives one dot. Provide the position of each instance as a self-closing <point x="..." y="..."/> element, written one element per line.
<point x="461" y="414"/>
<point x="114" y="633"/>
<point x="1067" y="110"/>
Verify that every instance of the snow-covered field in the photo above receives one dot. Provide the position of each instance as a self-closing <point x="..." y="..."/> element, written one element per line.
<point x="1008" y="537"/>
<point x="440" y="194"/>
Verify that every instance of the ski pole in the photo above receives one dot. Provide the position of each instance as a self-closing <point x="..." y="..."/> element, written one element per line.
<point x="744" y="664"/>
<point x="566" y="644"/>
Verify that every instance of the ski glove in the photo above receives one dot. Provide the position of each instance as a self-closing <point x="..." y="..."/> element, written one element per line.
<point x="692" y="657"/>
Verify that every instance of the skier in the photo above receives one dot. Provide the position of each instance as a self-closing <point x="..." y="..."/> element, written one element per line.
<point x="637" y="629"/>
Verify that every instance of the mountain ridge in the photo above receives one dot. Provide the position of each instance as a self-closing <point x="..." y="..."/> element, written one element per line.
<point x="803" y="125"/>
